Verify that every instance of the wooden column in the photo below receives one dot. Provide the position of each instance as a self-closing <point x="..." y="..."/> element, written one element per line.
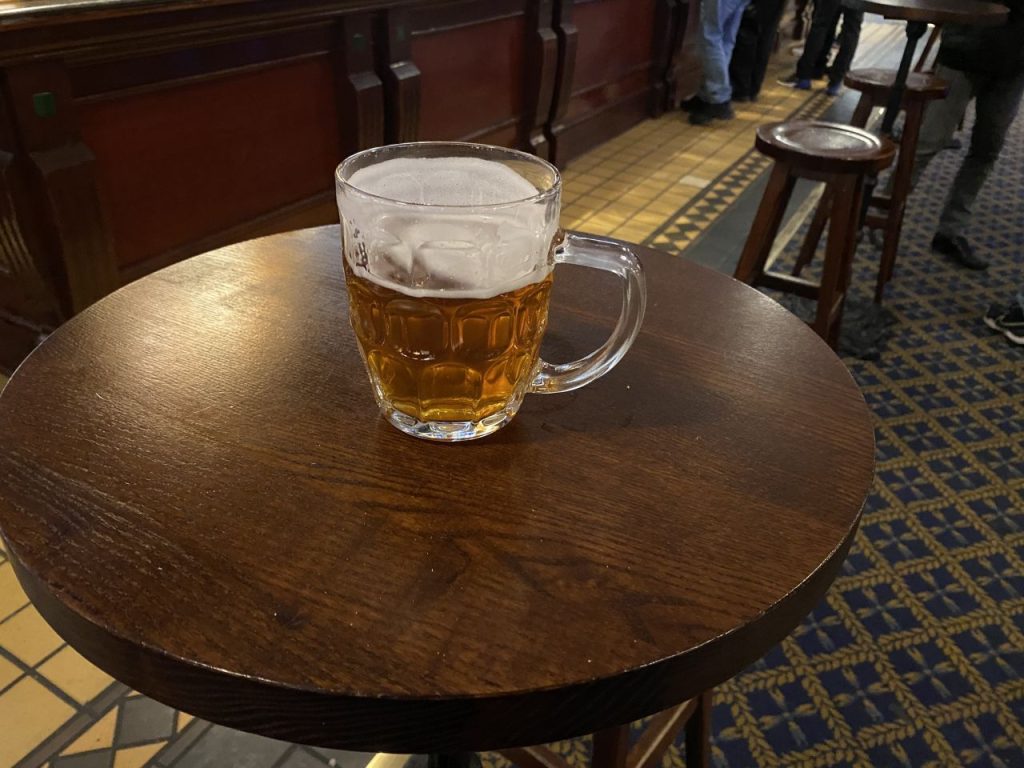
<point x="541" y="72"/>
<point x="401" y="76"/>
<point x="57" y="192"/>
<point x="684" y="69"/>
<point x="667" y="23"/>
<point x="568" y="40"/>
<point x="360" y="89"/>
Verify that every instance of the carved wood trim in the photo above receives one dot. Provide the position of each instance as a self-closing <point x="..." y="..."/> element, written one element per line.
<point x="74" y="241"/>
<point x="441" y="17"/>
<point x="401" y="75"/>
<point x="541" y="72"/>
<point x="568" y="41"/>
<point x="110" y="78"/>
<point x="360" y="89"/>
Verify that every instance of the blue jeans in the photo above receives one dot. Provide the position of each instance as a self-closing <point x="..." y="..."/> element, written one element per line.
<point x="719" y="23"/>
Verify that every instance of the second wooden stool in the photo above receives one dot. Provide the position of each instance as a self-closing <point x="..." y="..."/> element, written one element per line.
<point x="840" y="156"/>
<point x="887" y="215"/>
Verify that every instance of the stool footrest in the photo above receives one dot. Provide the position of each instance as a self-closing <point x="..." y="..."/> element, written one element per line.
<point x="801" y="286"/>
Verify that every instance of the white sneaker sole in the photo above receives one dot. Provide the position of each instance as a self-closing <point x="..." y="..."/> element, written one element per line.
<point x="995" y="326"/>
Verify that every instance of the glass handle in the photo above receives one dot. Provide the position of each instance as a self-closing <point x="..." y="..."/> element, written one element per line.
<point x="612" y="257"/>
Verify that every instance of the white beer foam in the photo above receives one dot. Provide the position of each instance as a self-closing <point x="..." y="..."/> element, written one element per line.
<point x="446" y="250"/>
<point x="443" y="181"/>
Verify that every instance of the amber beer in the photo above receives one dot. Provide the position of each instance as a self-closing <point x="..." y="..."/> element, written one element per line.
<point x="437" y="359"/>
<point x="448" y="251"/>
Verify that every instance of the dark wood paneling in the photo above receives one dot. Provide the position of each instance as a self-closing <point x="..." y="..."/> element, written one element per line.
<point x="471" y="77"/>
<point x="191" y="161"/>
<point x="615" y="36"/>
<point x="612" y="78"/>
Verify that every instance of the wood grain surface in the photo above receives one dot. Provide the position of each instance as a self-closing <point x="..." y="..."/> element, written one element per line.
<point x="199" y="495"/>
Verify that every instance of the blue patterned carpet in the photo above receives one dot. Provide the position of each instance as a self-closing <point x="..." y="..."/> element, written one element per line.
<point x="916" y="656"/>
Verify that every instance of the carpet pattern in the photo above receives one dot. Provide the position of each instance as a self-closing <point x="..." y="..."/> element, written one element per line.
<point x="915" y="658"/>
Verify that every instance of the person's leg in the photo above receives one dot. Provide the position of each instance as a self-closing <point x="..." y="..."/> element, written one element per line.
<point x="821" y="63"/>
<point x="848" y="40"/>
<point x="941" y="119"/>
<point x="731" y="26"/>
<point x="997" y="100"/>
<point x="715" y="87"/>
<point x="769" y="16"/>
<point x="826" y="12"/>
<point x="744" y="56"/>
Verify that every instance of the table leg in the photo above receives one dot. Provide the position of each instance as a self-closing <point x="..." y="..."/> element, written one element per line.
<point x="915" y="30"/>
<point x="453" y="760"/>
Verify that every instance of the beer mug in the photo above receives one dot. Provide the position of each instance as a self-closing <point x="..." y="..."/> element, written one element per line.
<point x="449" y="251"/>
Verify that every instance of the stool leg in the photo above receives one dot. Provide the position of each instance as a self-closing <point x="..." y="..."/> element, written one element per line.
<point x="810" y="244"/>
<point x="860" y="119"/>
<point x="863" y="111"/>
<point x="898" y="199"/>
<point x="766" y="225"/>
<point x="838" y="257"/>
<point x="698" y="734"/>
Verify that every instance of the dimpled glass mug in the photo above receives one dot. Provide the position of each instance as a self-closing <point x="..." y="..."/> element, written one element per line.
<point x="449" y="251"/>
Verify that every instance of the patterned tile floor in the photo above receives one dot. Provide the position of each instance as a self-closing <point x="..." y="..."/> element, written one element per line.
<point x="664" y="182"/>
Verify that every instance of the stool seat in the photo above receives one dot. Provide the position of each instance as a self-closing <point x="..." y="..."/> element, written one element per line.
<point x="839" y="155"/>
<point x="878" y="82"/>
<point x="811" y="145"/>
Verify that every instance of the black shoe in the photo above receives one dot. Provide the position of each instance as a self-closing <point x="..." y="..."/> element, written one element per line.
<point x="693" y="104"/>
<point x="711" y="112"/>
<point x="1009" y="322"/>
<point x="959" y="250"/>
<point x="744" y="97"/>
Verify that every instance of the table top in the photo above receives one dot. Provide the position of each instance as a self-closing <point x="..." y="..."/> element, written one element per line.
<point x="201" y="497"/>
<point x="973" y="12"/>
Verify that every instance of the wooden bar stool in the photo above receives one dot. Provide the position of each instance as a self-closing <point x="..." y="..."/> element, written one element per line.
<point x="840" y="156"/>
<point x="875" y="85"/>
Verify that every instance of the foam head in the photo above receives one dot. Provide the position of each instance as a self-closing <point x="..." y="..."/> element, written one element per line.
<point x="429" y="230"/>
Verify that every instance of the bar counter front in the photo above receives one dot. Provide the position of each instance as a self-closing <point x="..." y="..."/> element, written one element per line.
<point x="135" y="134"/>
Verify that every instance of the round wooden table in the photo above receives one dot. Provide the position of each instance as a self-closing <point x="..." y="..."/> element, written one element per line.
<point x="200" y="496"/>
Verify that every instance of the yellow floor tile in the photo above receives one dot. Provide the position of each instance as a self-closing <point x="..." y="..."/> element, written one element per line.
<point x="8" y="673"/>
<point x="184" y="718"/>
<point x="99" y="735"/>
<point x="11" y="595"/>
<point x="136" y="757"/>
<point x="29" y="713"/>
<point x="75" y="676"/>
<point x="29" y="637"/>
<point x="632" y="233"/>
